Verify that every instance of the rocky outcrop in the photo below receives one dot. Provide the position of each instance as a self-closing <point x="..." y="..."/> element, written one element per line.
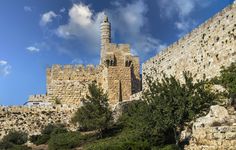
<point x="217" y="130"/>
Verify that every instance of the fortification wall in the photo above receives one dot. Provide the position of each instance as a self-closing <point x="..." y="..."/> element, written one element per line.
<point x="38" y="98"/>
<point x="69" y="84"/>
<point x="202" y="52"/>
<point x="32" y="119"/>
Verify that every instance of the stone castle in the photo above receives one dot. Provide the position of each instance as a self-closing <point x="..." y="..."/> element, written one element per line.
<point x="202" y="52"/>
<point x="118" y="74"/>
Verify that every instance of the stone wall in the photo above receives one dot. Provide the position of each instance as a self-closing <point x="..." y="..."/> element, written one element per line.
<point x="202" y="52"/>
<point x="33" y="119"/>
<point x="217" y="130"/>
<point x="69" y="84"/>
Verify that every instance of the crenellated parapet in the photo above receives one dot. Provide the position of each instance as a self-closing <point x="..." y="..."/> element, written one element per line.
<point x="38" y="98"/>
<point x="71" y="72"/>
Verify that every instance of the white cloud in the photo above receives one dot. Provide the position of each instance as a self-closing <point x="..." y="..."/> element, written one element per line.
<point x="181" y="10"/>
<point x="33" y="49"/>
<point x="27" y="8"/>
<point x="3" y="62"/>
<point x="62" y="10"/>
<point x="83" y="25"/>
<point x="185" y="26"/>
<point x="128" y="21"/>
<point x="77" y="61"/>
<point x="47" y="18"/>
<point x="5" y="68"/>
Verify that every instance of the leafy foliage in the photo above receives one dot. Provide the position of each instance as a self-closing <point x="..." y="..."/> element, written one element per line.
<point x="47" y="132"/>
<point x="167" y="106"/>
<point x="16" y="137"/>
<point x="39" y="139"/>
<point x="95" y="113"/>
<point x="14" y="140"/>
<point x="126" y="140"/>
<point x="173" y="103"/>
<point x="63" y="141"/>
<point x="227" y="79"/>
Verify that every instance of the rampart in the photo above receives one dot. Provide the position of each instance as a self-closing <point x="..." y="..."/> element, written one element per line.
<point x="38" y="98"/>
<point x="32" y="119"/>
<point x="69" y="84"/>
<point x="202" y="52"/>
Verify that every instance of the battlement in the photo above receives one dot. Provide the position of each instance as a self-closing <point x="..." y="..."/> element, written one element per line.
<point x="37" y="98"/>
<point x="71" y="72"/>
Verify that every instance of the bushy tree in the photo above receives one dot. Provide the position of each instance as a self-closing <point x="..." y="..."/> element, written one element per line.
<point x="14" y="140"/>
<point x="47" y="132"/>
<point x="227" y="79"/>
<point x="173" y="103"/>
<point x="95" y="113"/>
<point x="63" y="141"/>
<point x="166" y="107"/>
<point x="16" y="137"/>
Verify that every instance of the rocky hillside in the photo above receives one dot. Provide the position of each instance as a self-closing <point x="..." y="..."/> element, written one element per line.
<point x="216" y="130"/>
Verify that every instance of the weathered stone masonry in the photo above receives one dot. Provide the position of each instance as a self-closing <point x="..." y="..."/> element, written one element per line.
<point x="202" y="52"/>
<point x="32" y="119"/>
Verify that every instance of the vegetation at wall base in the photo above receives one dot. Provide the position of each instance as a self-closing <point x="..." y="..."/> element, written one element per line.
<point x="95" y="113"/>
<point x="14" y="140"/>
<point x="227" y="79"/>
<point x="152" y="123"/>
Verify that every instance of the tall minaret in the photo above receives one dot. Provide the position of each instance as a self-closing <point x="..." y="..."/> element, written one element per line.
<point x="105" y="36"/>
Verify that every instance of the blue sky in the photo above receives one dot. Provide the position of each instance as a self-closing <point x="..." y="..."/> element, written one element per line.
<point x="35" y="34"/>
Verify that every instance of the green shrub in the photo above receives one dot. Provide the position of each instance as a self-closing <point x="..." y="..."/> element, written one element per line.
<point x="64" y="141"/>
<point x="39" y="139"/>
<point x="5" y="145"/>
<point x="227" y="79"/>
<point x="170" y="147"/>
<point x="53" y="128"/>
<point x="119" y="144"/>
<point x="172" y="103"/>
<point x="20" y="147"/>
<point x="95" y="113"/>
<point x="47" y="132"/>
<point x="16" y="137"/>
<point x="10" y="146"/>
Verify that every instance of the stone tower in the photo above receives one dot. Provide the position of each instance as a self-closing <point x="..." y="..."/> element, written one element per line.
<point x="118" y="75"/>
<point x="105" y="36"/>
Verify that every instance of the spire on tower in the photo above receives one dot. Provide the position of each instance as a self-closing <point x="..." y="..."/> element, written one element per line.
<point x="105" y="36"/>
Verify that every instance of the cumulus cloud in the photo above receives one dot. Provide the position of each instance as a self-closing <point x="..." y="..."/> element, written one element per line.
<point x="5" y="68"/>
<point x="181" y="9"/>
<point x="185" y="26"/>
<point x="27" y="9"/>
<point x="47" y="18"/>
<point x="32" y="49"/>
<point x="62" y="10"/>
<point x="128" y="22"/>
<point x="82" y="23"/>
